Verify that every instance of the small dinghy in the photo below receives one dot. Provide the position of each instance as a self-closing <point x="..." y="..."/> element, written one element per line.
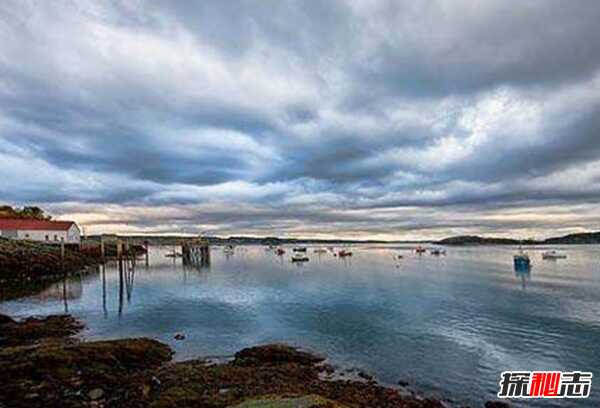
<point x="420" y="250"/>
<point x="280" y="251"/>
<point x="343" y="253"/>
<point x="300" y="249"/>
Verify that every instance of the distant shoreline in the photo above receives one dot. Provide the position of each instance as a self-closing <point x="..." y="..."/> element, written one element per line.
<point x="588" y="238"/>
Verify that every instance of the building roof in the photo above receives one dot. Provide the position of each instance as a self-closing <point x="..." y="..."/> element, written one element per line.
<point x="25" y="224"/>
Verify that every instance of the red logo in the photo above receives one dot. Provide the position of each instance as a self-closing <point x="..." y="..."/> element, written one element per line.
<point x="545" y="384"/>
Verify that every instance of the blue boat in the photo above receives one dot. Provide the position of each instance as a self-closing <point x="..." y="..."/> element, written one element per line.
<point x="522" y="262"/>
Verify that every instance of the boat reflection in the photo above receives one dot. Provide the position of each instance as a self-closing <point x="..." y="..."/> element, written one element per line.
<point x="524" y="275"/>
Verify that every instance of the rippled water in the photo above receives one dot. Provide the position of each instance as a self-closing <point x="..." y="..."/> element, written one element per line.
<point x="448" y="325"/>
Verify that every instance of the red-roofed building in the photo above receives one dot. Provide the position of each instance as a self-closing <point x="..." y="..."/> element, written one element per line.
<point x="40" y="230"/>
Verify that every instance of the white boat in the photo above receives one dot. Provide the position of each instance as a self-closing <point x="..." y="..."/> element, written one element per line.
<point x="553" y="255"/>
<point x="229" y="249"/>
<point x="299" y="258"/>
<point x="299" y="249"/>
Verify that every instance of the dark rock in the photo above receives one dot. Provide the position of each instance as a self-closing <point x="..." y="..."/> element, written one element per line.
<point x="96" y="394"/>
<point x="403" y="383"/>
<point x="179" y="336"/>
<point x="365" y="376"/>
<point x="4" y="319"/>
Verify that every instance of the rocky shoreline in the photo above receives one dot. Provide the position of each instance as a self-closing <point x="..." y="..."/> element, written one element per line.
<point x="44" y="365"/>
<point x="23" y="261"/>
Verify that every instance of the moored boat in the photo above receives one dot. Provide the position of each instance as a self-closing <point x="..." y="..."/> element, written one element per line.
<point x="320" y="251"/>
<point x="437" y="251"/>
<point x="522" y="262"/>
<point x="300" y="249"/>
<point x="299" y="258"/>
<point x="553" y="255"/>
<point x="420" y="250"/>
<point x="280" y="251"/>
<point x="343" y="253"/>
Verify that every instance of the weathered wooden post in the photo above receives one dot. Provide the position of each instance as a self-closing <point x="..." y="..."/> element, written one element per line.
<point x="102" y="253"/>
<point x="120" y="285"/>
<point x="146" y="244"/>
<point x="62" y="255"/>
<point x="120" y="254"/>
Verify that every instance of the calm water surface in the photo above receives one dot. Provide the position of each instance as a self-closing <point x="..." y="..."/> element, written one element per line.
<point x="448" y="325"/>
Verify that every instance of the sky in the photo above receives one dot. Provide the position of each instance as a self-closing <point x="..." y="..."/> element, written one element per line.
<point x="353" y="119"/>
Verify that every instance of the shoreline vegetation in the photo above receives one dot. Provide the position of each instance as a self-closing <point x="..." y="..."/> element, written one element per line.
<point x="45" y="365"/>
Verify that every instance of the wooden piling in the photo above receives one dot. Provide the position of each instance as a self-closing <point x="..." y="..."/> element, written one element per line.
<point x="62" y="255"/>
<point x="102" y="253"/>
<point x="196" y="253"/>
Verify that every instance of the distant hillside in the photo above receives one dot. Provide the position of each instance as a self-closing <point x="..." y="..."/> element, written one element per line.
<point x="572" y="239"/>
<point x="476" y="240"/>
<point x="581" y="238"/>
<point x="238" y="240"/>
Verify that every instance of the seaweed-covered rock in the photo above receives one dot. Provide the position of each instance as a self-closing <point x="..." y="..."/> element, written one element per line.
<point x="33" y="330"/>
<point x="64" y="374"/>
<point x="275" y="354"/>
<point x="308" y="401"/>
<point x="4" y="319"/>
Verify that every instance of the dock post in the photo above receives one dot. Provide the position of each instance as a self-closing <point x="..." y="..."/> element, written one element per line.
<point x="62" y="255"/>
<point x="102" y="253"/>
<point x="146" y="244"/>
<point x="120" y="253"/>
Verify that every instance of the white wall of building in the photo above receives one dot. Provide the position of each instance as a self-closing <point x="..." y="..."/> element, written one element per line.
<point x="71" y="236"/>
<point x="74" y="235"/>
<point x="43" y="235"/>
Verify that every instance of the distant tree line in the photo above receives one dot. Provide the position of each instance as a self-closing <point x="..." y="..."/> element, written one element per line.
<point x="27" y="212"/>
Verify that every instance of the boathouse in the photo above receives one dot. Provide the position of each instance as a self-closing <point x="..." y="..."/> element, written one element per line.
<point x="51" y="232"/>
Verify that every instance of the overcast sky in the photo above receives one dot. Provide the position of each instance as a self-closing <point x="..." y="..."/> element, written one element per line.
<point x="358" y="119"/>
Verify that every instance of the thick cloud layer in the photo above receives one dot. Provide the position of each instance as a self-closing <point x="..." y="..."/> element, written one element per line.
<point x="386" y="119"/>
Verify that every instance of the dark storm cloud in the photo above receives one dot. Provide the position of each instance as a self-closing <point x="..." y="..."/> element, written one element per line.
<point x="282" y="116"/>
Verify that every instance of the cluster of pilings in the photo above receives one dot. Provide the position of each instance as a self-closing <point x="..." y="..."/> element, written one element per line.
<point x="195" y="253"/>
